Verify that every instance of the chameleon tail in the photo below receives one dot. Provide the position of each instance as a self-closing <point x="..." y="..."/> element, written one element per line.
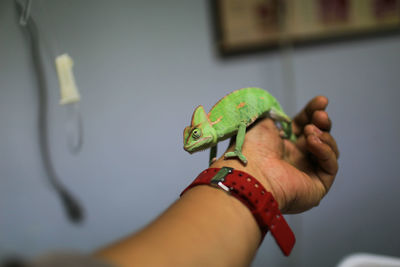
<point x="287" y="128"/>
<point x="277" y="114"/>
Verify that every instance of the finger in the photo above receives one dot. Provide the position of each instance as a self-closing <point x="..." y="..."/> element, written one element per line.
<point x="325" y="137"/>
<point x="305" y="116"/>
<point x="321" y="119"/>
<point x="326" y="159"/>
<point x="331" y="142"/>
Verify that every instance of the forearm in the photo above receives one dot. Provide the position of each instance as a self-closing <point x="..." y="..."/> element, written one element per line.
<point x="206" y="227"/>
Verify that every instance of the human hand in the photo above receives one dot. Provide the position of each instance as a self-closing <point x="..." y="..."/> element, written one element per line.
<point x="297" y="174"/>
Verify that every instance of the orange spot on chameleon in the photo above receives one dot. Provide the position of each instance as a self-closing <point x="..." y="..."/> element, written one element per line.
<point x="241" y="105"/>
<point x="218" y="120"/>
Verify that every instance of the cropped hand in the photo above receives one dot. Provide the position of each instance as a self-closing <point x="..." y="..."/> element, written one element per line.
<point x="297" y="174"/>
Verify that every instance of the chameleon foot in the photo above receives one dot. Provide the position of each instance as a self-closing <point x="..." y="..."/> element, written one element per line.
<point x="238" y="154"/>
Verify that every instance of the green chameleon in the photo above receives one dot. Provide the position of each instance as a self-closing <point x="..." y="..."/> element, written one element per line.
<point x="231" y="116"/>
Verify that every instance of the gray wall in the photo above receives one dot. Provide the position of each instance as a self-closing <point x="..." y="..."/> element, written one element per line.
<point x="142" y="67"/>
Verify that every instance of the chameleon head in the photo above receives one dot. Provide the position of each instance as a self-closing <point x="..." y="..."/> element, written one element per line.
<point x="200" y="134"/>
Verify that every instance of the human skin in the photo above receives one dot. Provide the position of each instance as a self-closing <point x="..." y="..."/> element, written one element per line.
<point x="298" y="174"/>
<point x="207" y="227"/>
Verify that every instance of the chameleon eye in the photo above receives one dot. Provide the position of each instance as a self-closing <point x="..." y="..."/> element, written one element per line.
<point x="196" y="134"/>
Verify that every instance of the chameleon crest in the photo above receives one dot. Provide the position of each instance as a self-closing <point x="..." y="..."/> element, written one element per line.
<point x="231" y="116"/>
<point x="200" y="134"/>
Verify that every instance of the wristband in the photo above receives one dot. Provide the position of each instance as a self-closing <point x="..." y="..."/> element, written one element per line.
<point x="251" y="193"/>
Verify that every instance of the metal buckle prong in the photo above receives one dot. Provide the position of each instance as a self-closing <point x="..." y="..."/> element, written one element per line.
<point x="219" y="178"/>
<point x="224" y="187"/>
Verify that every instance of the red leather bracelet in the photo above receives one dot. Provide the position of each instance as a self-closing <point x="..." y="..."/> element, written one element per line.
<point x="251" y="193"/>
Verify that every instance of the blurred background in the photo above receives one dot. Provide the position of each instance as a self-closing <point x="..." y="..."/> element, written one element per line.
<point x="141" y="68"/>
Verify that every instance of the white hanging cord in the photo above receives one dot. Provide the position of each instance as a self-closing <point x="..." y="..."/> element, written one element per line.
<point x="288" y="72"/>
<point x="288" y="78"/>
<point x="69" y="94"/>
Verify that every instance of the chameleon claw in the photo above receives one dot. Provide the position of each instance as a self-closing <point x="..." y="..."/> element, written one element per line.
<point x="238" y="154"/>
<point x="243" y="159"/>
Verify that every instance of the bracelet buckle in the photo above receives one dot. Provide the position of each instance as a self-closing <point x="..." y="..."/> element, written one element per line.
<point x="219" y="178"/>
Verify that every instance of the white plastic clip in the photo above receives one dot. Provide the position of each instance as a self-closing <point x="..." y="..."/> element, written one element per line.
<point x="68" y="89"/>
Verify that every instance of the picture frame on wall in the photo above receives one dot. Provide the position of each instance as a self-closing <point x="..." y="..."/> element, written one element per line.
<point x="258" y="24"/>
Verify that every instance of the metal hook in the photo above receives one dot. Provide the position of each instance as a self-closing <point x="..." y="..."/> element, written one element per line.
<point x="23" y="20"/>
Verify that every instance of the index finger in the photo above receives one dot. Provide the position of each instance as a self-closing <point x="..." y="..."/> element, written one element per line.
<point x="305" y="116"/>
